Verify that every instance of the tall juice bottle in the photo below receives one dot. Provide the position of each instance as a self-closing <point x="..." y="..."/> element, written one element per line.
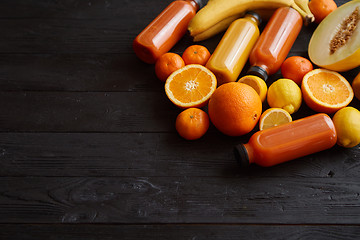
<point x="275" y="42"/>
<point x="165" y="30"/>
<point x="234" y="48"/>
<point x="288" y="141"/>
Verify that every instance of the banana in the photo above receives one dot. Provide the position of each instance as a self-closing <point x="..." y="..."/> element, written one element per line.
<point x="221" y="26"/>
<point x="217" y="10"/>
<point x="217" y="28"/>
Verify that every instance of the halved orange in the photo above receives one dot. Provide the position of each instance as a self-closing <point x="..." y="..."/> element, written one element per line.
<point x="190" y="86"/>
<point x="326" y="91"/>
<point x="273" y="117"/>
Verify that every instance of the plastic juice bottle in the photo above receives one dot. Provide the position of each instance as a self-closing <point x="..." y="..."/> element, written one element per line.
<point x="234" y="48"/>
<point x="166" y="29"/>
<point x="275" y="42"/>
<point x="288" y="141"/>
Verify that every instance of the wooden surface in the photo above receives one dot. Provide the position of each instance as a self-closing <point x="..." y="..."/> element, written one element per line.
<point x="88" y="148"/>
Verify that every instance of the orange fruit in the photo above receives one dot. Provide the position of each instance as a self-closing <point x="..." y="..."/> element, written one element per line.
<point x="326" y="91"/>
<point x="321" y="8"/>
<point x="167" y="64"/>
<point x="235" y="108"/>
<point x="295" y="68"/>
<point x="190" y="86"/>
<point x="196" y="54"/>
<point x="273" y="117"/>
<point x="192" y="123"/>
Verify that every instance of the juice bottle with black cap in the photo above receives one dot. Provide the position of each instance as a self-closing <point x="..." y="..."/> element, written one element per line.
<point x="289" y="141"/>
<point x="275" y="42"/>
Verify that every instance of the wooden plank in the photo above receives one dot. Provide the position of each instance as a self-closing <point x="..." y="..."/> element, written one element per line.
<point x="89" y="72"/>
<point x="135" y="11"/>
<point x="73" y="27"/>
<point x="94" y="112"/>
<point x="76" y="72"/>
<point x="86" y="112"/>
<point x="36" y="36"/>
<point x="198" y="232"/>
<point x="180" y="200"/>
<point x="154" y="155"/>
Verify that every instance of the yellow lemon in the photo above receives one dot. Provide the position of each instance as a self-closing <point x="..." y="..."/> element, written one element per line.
<point x="356" y="86"/>
<point x="273" y="117"/>
<point x="256" y="83"/>
<point x="347" y="125"/>
<point x="286" y="94"/>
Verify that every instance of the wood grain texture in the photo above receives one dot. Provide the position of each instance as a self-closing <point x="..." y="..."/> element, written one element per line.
<point x="132" y="200"/>
<point x="95" y="112"/>
<point x="153" y="155"/>
<point x="175" y="231"/>
<point x="88" y="147"/>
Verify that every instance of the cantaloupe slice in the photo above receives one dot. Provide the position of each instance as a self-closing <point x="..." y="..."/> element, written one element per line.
<point x="335" y="44"/>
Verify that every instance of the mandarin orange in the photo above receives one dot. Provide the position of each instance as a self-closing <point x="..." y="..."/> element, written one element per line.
<point x="167" y="64"/>
<point x="192" y="123"/>
<point x="295" y="68"/>
<point x="196" y="54"/>
<point x="321" y="8"/>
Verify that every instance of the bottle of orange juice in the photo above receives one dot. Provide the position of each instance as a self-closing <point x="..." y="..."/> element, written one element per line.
<point x="275" y="42"/>
<point x="288" y="141"/>
<point x="234" y="48"/>
<point x="166" y="29"/>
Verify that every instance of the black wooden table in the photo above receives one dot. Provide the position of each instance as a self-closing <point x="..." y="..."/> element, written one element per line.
<point x="88" y="147"/>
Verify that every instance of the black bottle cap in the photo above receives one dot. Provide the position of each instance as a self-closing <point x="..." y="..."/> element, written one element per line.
<point x="258" y="71"/>
<point x="241" y="155"/>
<point x="201" y="3"/>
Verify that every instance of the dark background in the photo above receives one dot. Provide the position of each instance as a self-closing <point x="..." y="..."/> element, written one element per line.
<point x="88" y="147"/>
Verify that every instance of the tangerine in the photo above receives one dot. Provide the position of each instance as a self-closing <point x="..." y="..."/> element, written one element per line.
<point x="196" y="54"/>
<point x="295" y="68"/>
<point x="321" y="8"/>
<point x="235" y="108"/>
<point x="167" y="64"/>
<point x="192" y="123"/>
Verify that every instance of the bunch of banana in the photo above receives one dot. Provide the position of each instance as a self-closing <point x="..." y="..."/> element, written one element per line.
<point x="217" y="15"/>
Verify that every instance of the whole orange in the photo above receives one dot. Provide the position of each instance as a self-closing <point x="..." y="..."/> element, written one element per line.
<point x="321" y="8"/>
<point x="196" y="54"/>
<point x="167" y="64"/>
<point x="192" y="123"/>
<point x="235" y="108"/>
<point x="295" y="68"/>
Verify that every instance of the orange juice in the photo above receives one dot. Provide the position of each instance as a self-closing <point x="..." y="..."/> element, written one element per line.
<point x="234" y="48"/>
<point x="288" y="141"/>
<point x="275" y="42"/>
<point x="165" y="30"/>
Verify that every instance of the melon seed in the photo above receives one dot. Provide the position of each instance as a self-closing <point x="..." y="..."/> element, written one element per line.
<point x="347" y="29"/>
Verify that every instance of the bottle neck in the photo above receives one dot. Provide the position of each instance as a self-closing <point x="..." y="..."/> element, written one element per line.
<point x="244" y="154"/>
<point x="193" y="3"/>
<point x="254" y="17"/>
<point x="259" y="70"/>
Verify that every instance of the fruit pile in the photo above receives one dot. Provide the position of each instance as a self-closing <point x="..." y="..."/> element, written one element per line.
<point x="236" y="108"/>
